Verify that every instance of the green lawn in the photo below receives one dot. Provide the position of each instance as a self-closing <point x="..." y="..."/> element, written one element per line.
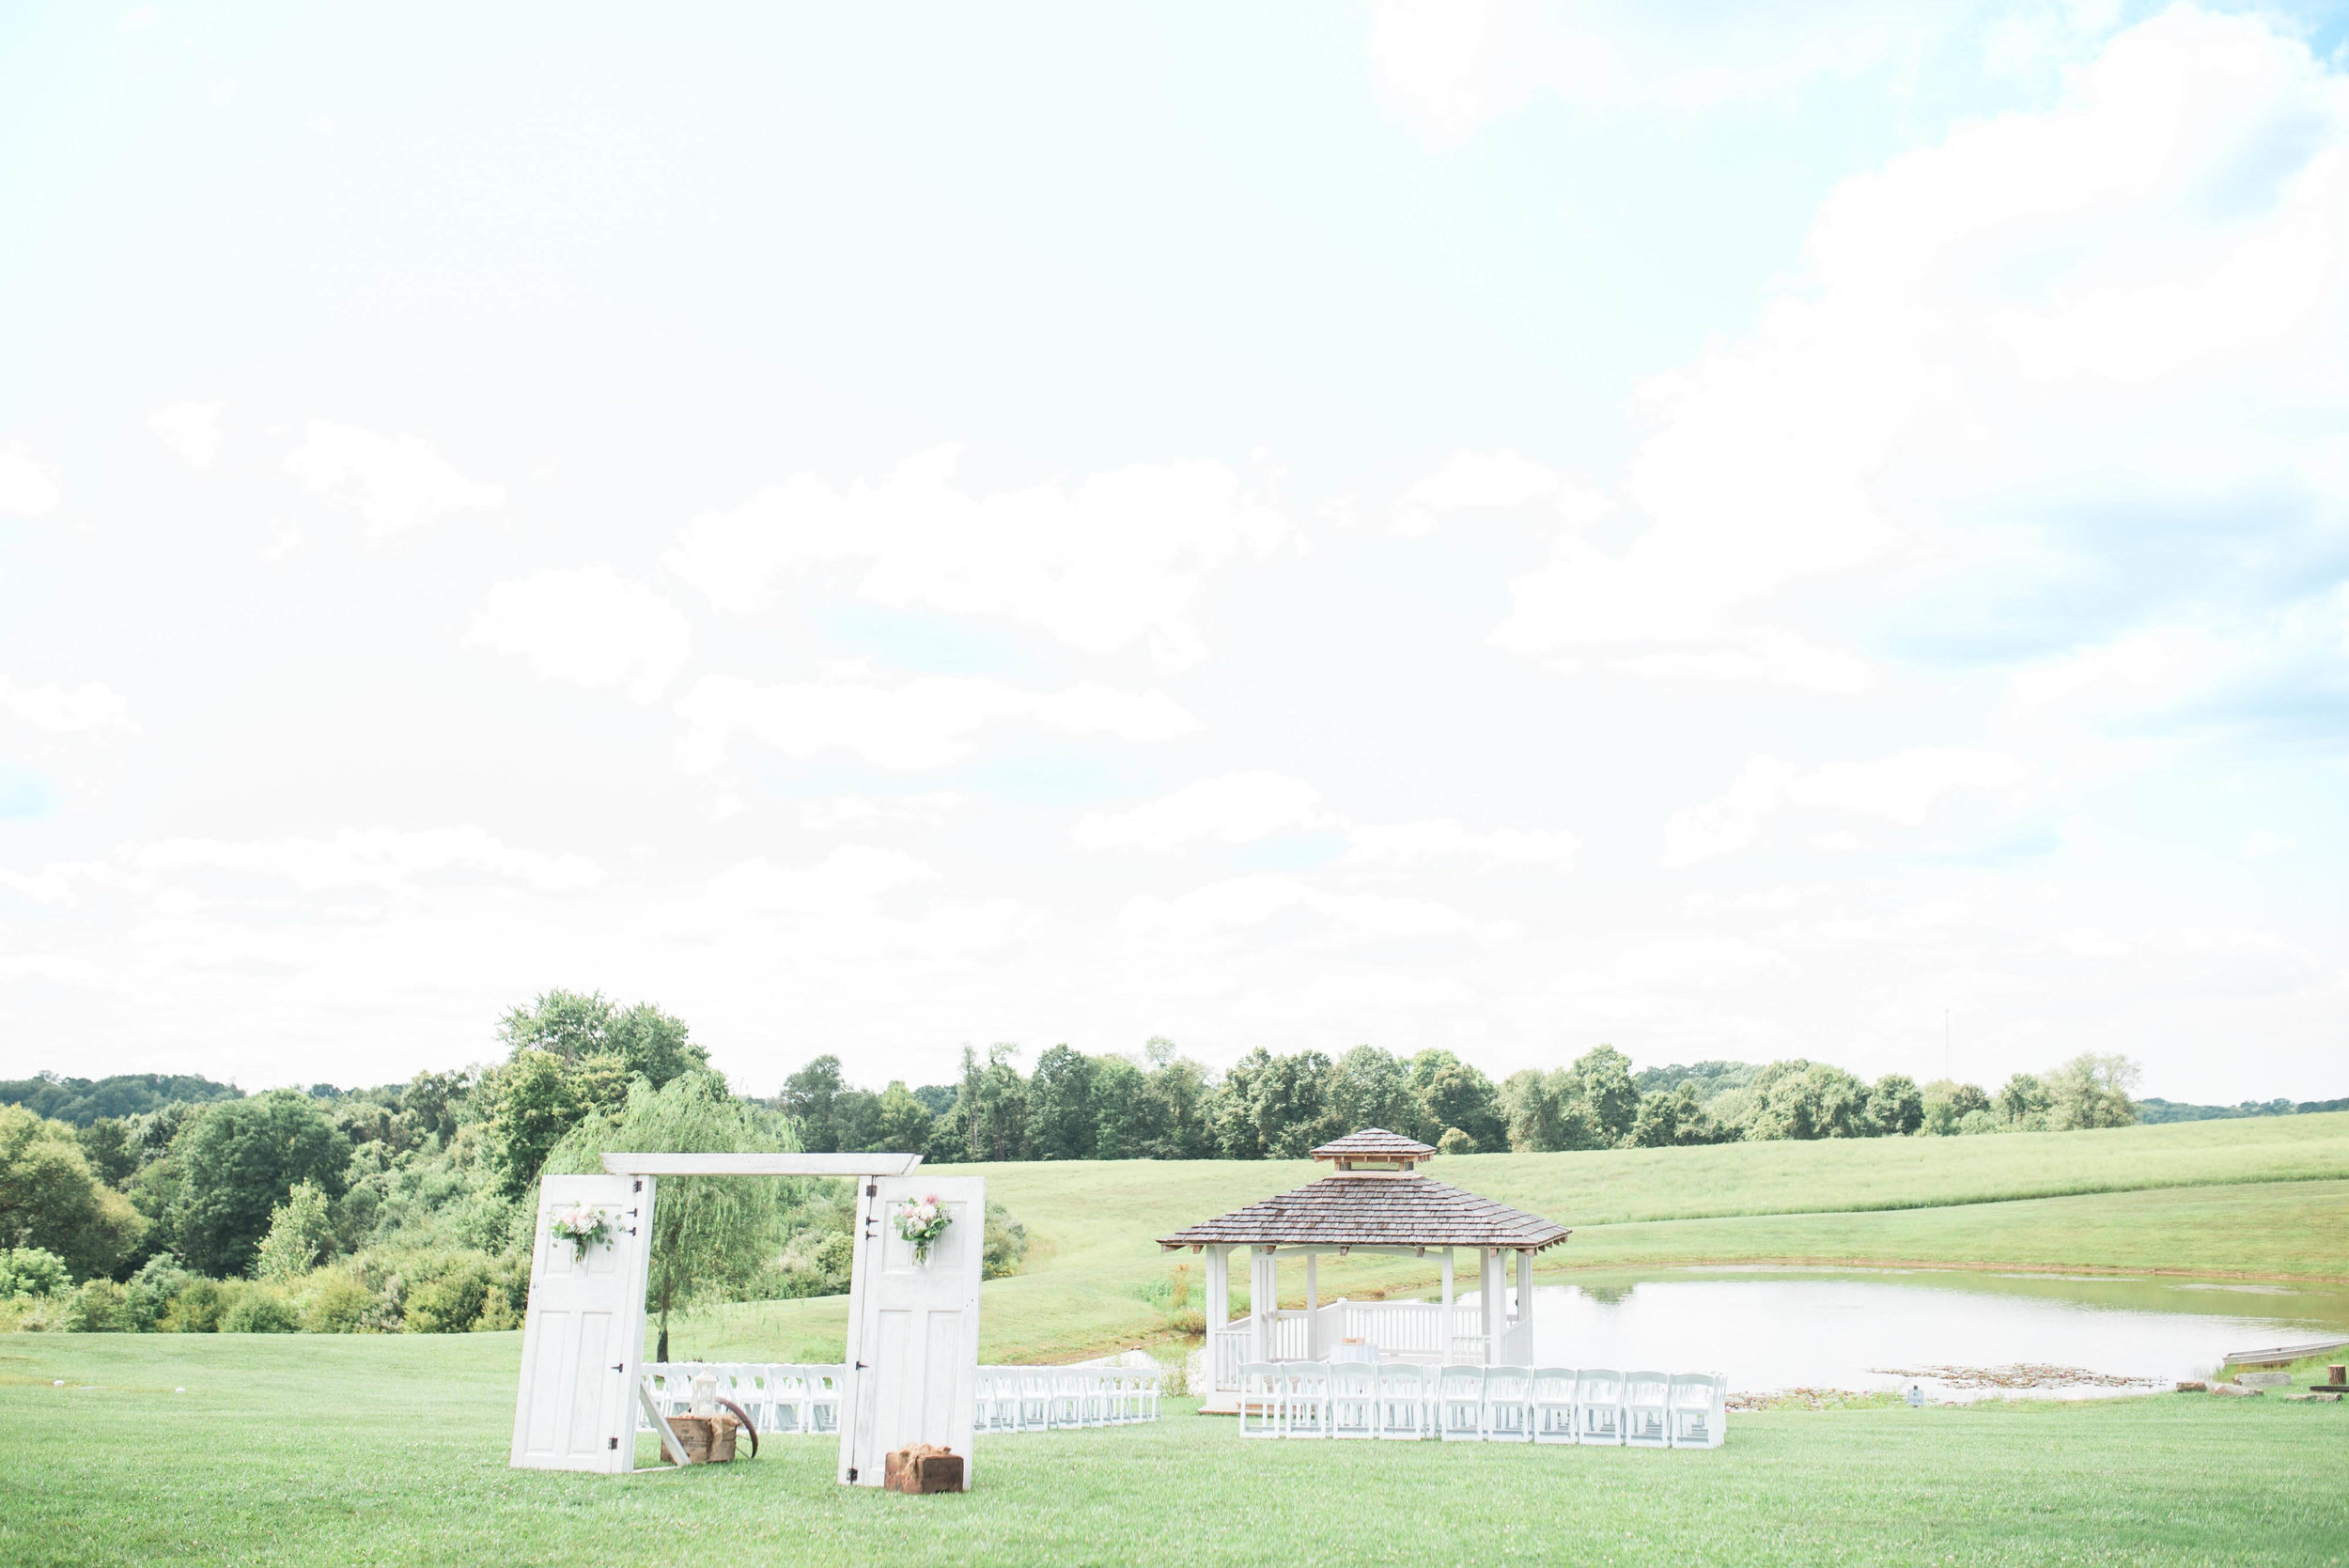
<point x="301" y="1449"/>
<point x="2265" y="1197"/>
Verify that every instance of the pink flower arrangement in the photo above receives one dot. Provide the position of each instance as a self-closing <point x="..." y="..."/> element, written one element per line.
<point x="922" y="1221"/>
<point x="583" y="1225"/>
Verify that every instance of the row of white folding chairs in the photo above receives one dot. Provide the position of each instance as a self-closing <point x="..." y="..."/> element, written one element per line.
<point x="1466" y="1403"/>
<point x="1051" y="1399"/>
<point x="779" y="1397"/>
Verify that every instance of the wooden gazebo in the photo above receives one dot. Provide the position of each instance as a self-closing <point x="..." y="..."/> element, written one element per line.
<point x="1374" y="1200"/>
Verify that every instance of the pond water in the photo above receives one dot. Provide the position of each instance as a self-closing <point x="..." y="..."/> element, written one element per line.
<point x="1957" y="1335"/>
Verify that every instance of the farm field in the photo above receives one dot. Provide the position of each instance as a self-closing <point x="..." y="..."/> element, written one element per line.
<point x="298" y="1450"/>
<point x="2264" y="1198"/>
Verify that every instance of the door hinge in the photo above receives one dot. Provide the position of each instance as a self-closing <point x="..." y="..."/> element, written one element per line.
<point x="872" y="1190"/>
<point x="861" y="1366"/>
<point x="853" y="1472"/>
<point x="611" y="1442"/>
<point x="619" y="1366"/>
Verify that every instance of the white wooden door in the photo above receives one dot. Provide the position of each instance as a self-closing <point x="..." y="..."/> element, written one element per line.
<point x="913" y="1327"/>
<point x="583" y="1338"/>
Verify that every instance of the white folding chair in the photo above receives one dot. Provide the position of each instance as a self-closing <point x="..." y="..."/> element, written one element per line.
<point x="1553" y="1405"/>
<point x="1353" y="1400"/>
<point x="1153" y="1390"/>
<point x="1699" y="1410"/>
<point x="1307" y="1414"/>
<point x="982" y="1400"/>
<point x="1460" y="1405"/>
<point x="1035" y="1400"/>
<point x="1402" y="1388"/>
<point x="1646" y="1413"/>
<point x="823" y="1398"/>
<point x="1598" y="1408"/>
<point x="1508" y="1405"/>
<point x="1263" y="1390"/>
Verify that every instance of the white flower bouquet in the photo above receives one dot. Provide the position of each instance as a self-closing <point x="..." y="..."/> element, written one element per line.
<point x="922" y="1221"/>
<point x="583" y="1226"/>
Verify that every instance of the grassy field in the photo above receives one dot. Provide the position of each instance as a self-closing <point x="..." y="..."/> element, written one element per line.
<point x="294" y="1449"/>
<point x="2262" y="1198"/>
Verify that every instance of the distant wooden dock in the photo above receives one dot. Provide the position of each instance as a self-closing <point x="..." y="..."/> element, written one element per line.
<point x="2278" y="1354"/>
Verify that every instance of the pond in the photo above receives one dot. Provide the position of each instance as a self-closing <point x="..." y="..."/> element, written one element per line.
<point x="1956" y="1335"/>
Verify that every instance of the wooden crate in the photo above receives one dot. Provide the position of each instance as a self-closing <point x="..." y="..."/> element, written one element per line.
<point x="708" y="1439"/>
<point x="921" y="1469"/>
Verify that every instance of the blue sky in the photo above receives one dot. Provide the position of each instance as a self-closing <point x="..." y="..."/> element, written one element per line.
<point x="1492" y="525"/>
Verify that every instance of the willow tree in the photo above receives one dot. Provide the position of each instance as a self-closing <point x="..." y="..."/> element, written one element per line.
<point x="712" y="1235"/>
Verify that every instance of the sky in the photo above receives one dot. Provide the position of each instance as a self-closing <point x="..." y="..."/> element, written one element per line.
<point x="1817" y="530"/>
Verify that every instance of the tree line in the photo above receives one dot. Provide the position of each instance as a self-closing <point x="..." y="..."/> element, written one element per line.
<point x="1162" y="1105"/>
<point x="182" y="1204"/>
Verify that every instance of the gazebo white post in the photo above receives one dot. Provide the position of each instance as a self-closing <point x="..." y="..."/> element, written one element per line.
<point x="1219" y="1311"/>
<point x="1443" y="1350"/>
<point x="1264" y="1298"/>
<point x="1314" y="1348"/>
<point x="1525" y="1296"/>
<point x="1493" y="1316"/>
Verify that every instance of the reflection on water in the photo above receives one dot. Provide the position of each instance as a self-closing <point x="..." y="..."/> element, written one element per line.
<point x="1784" y="1328"/>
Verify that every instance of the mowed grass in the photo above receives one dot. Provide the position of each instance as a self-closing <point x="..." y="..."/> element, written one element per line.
<point x="2264" y="1198"/>
<point x="295" y="1450"/>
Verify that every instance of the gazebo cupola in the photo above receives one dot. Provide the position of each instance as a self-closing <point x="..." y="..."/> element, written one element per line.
<point x="1375" y="1152"/>
<point x="1373" y="1198"/>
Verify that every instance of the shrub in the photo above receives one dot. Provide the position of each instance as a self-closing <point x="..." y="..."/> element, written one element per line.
<point x="300" y="1234"/>
<point x="98" y="1308"/>
<point x="450" y="1304"/>
<point x="150" y="1292"/>
<point x="196" y="1310"/>
<point x="1006" y="1244"/>
<point x="1454" y="1142"/>
<point x="259" y="1309"/>
<point x="337" y="1304"/>
<point x="31" y="1272"/>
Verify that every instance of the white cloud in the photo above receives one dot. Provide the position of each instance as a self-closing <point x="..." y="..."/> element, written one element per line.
<point x="91" y="705"/>
<point x="190" y="429"/>
<point x="838" y="909"/>
<point x="2126" y="303"/>
<point x="1242" y="808"/>
<point x="834" y="812"/>
<point x="926" y="722"/>
<point x="1408" y="846"/>
<point x="1452" y="65"/>
<point x="589" y="626"/>
<point x="1494" y="481"/>
<point x="1103" y="563"/>
<point x="379" y="858"/>
<point x="397" y="482"/>
<point x="1901" y="788"/>
<point x="1233" y="808"/>
<point x="2263" y="843"/>
<point x="26" y="488"/>
<point x="1249" y="903"/>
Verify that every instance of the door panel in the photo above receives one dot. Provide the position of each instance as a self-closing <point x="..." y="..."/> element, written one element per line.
<point x="582" y="1340"/>
<point x="913" y="1327"/>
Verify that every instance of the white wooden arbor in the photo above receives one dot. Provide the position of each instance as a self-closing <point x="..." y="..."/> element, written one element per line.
<point x="1373" y="1199"/>
<point x="913" y="1328"/>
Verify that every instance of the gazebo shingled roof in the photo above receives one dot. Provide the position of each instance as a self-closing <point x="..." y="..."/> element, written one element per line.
<point x="1374" y="1211"/>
